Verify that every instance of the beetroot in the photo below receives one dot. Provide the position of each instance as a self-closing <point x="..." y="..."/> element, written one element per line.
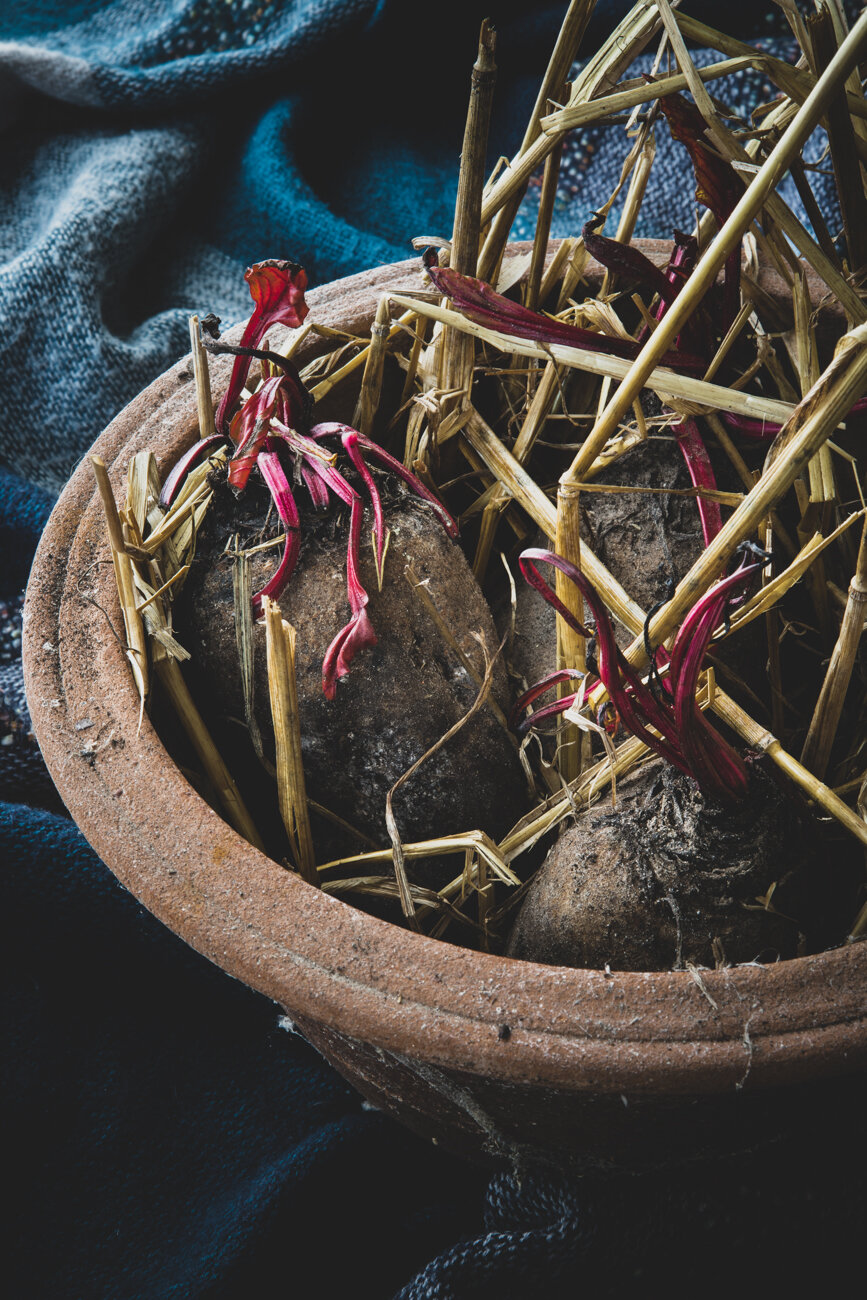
<point x="671" y="877"/>
<point x="402" y="694"/>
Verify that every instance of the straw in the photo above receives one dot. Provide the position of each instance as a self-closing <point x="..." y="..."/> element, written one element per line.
<point x="371" y="380"/>
<point x="829" y="706"/>
<point x="765" y="742"/>
<point x="291" y="787"/>
<point x="202" y="376"/>
<point x="571" y="646"/>
<point x="550" y="180"/>
<point x="667" y="383"/>
<point x="602" y="70"/>
<point x="725" y="242"/>
<point x="136" y="650"/>
<point x="566" y="119"/>
<point x="457" y="349"/>
<point x="562" y="57"/>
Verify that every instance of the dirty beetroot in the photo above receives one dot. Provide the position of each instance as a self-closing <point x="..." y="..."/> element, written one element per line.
<point x="671" y="878"/>
<point x="401" y="695"/>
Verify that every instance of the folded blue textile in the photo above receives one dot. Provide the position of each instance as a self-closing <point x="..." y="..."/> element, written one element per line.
<point x="173" y="1138"/>
<point x="150" y="152"/>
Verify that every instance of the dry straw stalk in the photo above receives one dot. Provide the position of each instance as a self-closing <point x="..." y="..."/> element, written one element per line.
<point x="566" y="119"/>
<point x="729" y="237"/>
<point x="759" y="738"/>
<point x="571" y="647"/>
<point x="374" y="365"/>
<point x="563" y="56"/>
<point x="829" y="706"/>
<point x="457" y="349"/>
<point x="291" y="788"/>
<point x="202" y="376"/>
<point x="602" y="71"/>
<point x="136" y="648"/>
<point x="667" y="383"/>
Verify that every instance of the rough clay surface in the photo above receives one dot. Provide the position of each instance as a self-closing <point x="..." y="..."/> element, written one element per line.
<point x="400" y="696"/>
<point x="669" y="879"/>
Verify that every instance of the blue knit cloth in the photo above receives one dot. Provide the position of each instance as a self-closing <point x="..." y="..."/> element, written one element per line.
<point x="172" y="1137"/>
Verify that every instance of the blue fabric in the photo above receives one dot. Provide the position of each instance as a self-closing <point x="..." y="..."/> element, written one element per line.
<point x="171" y="1139"/>
<point x="153" y="151"/>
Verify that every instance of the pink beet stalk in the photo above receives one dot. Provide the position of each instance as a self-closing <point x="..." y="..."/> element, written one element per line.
<point x="250" y="430"/>
<point x="628" y="262"/>
<point x="694" y="451"/>
<point x="382" y="457"/>
<point x="317" y="489"/>
<point x="482" y="304"/>
<point x="321" y="476"/>
<point x="350" y="444"/>
<point x="710" y="757"/>
<point x="522" y="725"/>
<point x="686" y="739"/>
<point x="268" y="463"/>
<point x="264" y="429"/>
<point x="188" y="461"/>
<point x="634" y="701"/>
<point x="716" y="186"/>
<point x="358" y="634"/>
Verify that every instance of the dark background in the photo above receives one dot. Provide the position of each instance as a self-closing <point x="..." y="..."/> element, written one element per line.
<point x="167" y="1138"/>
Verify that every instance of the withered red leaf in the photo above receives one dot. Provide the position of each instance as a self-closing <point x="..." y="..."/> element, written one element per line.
<point x="628" y="262"/>
<point x="483" y="305"/>
<point x="277" y="289"/>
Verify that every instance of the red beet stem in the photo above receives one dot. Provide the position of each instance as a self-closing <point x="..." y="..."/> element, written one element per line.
<point x="694" y="452"/>
<point x="277" y="289"/>
<point x="188" y="461"/>
<point x="482" y="304"/>
<point x="686" y="739"/>
<point x="269" y="466"/>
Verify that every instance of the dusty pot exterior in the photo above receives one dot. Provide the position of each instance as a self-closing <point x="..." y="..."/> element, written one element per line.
<point x="490" y="1056"/>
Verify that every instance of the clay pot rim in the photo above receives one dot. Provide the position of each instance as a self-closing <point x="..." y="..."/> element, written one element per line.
<point x="653" y="1032"/>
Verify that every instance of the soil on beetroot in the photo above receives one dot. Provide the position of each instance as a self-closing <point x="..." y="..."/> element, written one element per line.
<point x="670" y="878"/>
<point x="646" y="540"/>
<point x="399" y="698"/>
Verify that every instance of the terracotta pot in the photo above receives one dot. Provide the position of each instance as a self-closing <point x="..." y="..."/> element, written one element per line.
<point x="485" y="1054"/>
